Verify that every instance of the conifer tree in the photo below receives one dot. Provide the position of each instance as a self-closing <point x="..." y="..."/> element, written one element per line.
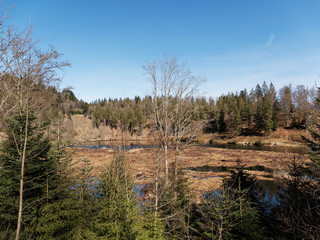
<point x="258" y="117"/>
<point x="243" y="105"/>
<point x="39" y="170"/>
<point x="267" y="113"/>
<point x="286" y="103"/>
<point x="222" y="126"/>
<point x="230" y="213"/>
<point x="117" y="217"/>
<point x="240" y="179"/>
<point x="298" y="214"/>
<point x="237" y="120"/>
<point x="225" y="216"/>
<point x="275" y="106"/>
<point x="176" y="205"/>
<point x="71" y="215"/>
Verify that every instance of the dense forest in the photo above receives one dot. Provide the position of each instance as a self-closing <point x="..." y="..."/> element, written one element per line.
<point x="44" y="194"/>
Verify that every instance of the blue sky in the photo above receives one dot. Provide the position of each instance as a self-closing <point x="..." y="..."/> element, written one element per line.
<point x="233" y="44"/>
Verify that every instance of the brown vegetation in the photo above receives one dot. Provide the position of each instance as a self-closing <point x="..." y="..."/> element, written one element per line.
<point x="142" y="163"/>
<point x="80" y="128"/>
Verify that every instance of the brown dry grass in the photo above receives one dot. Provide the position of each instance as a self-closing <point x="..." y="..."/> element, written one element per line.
<point x="80" y="128"/>
<point x="280" y="137"/>
<point x="142" y="163"/>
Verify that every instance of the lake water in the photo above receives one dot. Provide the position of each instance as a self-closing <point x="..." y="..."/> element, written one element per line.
<point x="129" y="145"/>
<point x="270" y="188"/>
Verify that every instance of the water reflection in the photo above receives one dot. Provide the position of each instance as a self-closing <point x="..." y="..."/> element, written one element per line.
<point x="139" y="189"/>
<point x="119" y="147"/>
<point x="129" y="145"/>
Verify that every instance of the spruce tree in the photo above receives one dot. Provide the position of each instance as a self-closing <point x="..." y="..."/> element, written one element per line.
<point x="176" y="205"/>
<point x="258" y="117"/>
<point x="71" y="215"/>
<point x="222" y="126"/>
<point x="298" y="214"/>
<point x="230" y="213"/>
<point x="267" y="113"/>
<point x="117" y="216"/>
<point x="286" y="103"/>
<point x="39" y="170"/>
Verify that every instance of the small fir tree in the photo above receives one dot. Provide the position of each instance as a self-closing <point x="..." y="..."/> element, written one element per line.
<point x="39" y="170"/>
<point x="118" y="213"/>
<point x="71" y="216"/>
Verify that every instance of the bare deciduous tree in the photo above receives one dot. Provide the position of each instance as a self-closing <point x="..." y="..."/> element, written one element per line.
<point x="6" y="87"/>
<point x="173" y="88"/>
<point x="303" y="99"/>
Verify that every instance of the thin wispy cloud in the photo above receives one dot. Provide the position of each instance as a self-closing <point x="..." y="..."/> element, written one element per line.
<point x="270" y="40"/>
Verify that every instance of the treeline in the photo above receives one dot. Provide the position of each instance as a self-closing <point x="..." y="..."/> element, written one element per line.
<point x="130" y="114"/>
<point x="263" y="109"/>
<point x="260" y="111"/>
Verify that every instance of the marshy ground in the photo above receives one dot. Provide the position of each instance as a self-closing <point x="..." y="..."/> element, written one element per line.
<point x="204" y="167"/>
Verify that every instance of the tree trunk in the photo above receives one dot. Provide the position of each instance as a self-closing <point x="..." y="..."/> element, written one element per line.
<point x="176" y="161"/>
<point x="157" y="192"/>
<point x="22" y="179"/>
<point x="166" y="160"/>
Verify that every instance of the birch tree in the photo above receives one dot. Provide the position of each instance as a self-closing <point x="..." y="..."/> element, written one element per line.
<point x="6" y="86"/>
<point x="173" y="88"/>
<point x="302" y="98"/>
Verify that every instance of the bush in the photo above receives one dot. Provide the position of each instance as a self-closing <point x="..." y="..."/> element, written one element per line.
<point x="258" y="143"/>
<point x="233" y="142"/>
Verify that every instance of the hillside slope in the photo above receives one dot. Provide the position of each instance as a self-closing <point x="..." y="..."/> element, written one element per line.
<point x="80" y="128"/>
